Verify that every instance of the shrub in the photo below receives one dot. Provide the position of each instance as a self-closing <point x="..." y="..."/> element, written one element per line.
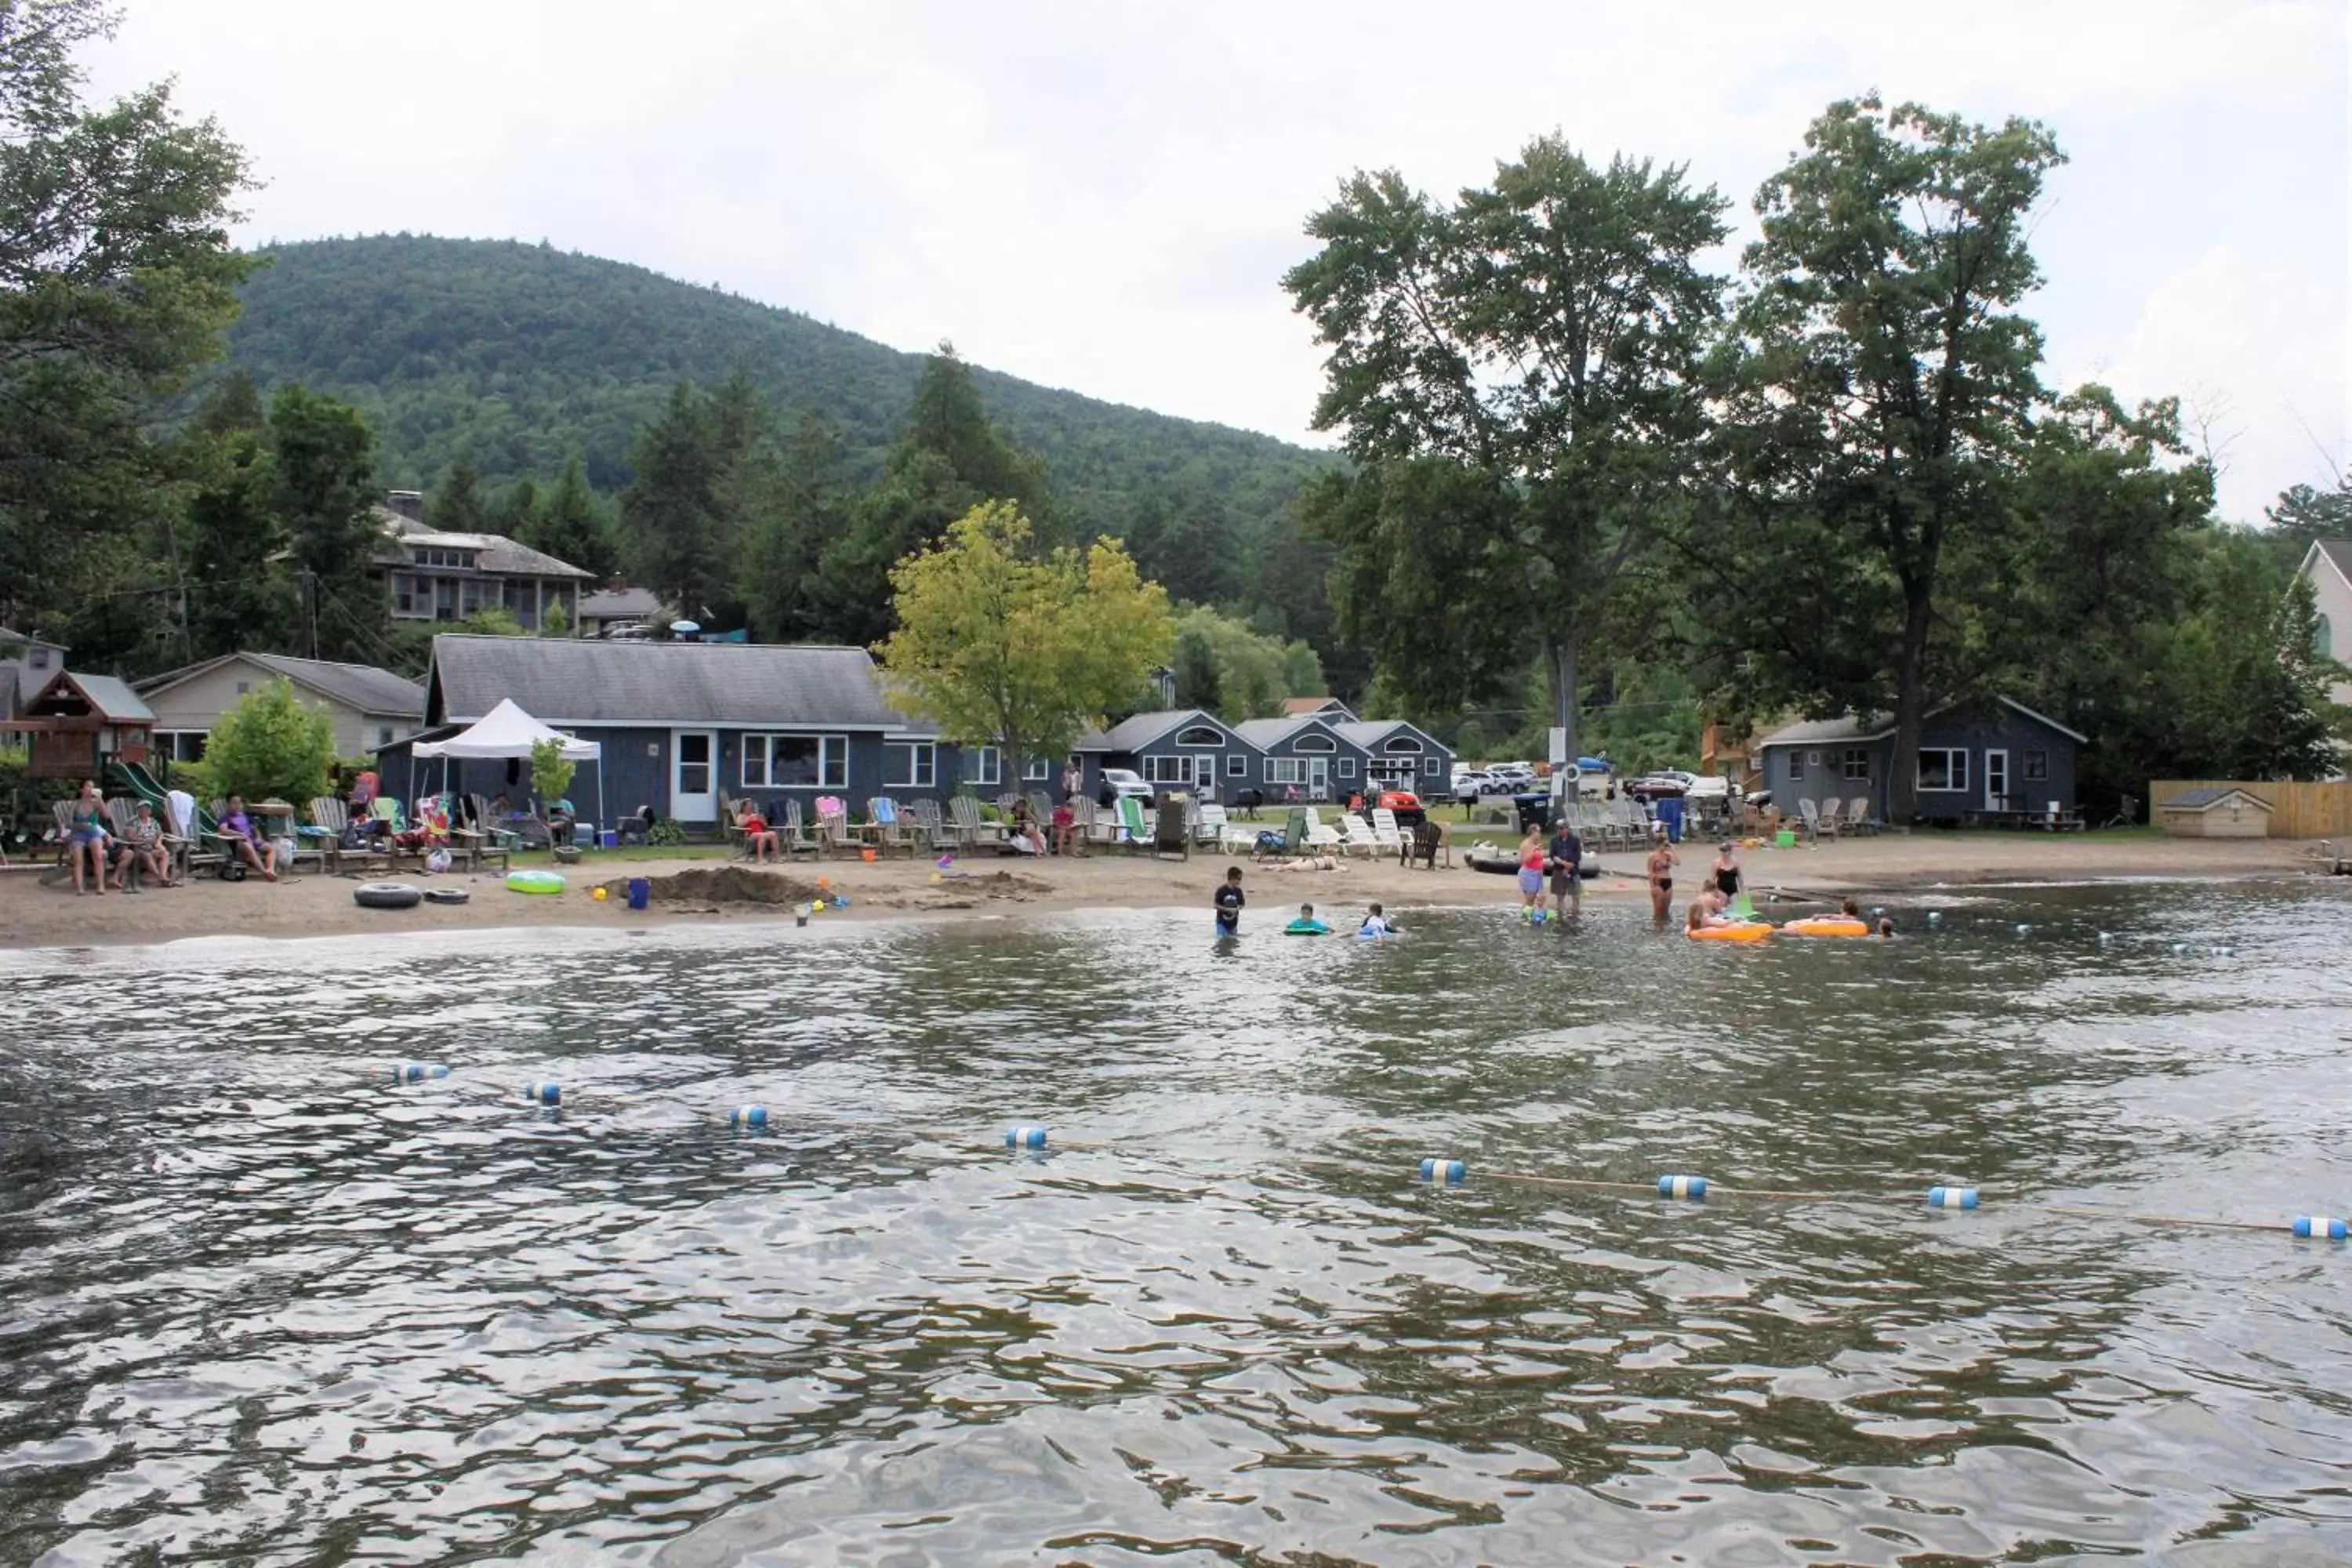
<point x="271" y="744"/>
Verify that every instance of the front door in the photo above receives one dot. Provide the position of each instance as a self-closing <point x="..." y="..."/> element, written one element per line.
<point x="1996" y="780"/>
<point x="694" y="775"/>
<point x="1204" y="776"/>
<point x="1318" y="778"/>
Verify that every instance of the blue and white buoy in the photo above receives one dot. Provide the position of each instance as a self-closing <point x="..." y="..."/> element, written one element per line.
<point x="1453" y="1172"/>
<point x="543" y="1093"/>
<point x="1951" y="1197"/>
<point x="748" y="1116"/>
<point x="1024" y="1138"/>
<point x="2321" y="1227"/>
<point x="417" y="1072"/>
<point x="1682" y="1188"/>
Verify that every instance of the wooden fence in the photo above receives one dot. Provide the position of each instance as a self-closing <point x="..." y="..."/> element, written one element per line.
<point x="2298" y="810"/>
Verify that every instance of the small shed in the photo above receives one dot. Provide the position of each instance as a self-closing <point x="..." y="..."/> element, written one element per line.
<point x="2222" y="813"/>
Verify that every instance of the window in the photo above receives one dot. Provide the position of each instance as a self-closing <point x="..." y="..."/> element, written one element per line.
<point x="1429" y="766"/>
<point x="2037" y="767"/>
<point x="1237" y="765"/>
<point x="1316" y="743"/>
<point x="1037" y="769"/>
<point x="2323" y="637"/>
<point x="1346" y="767"/>
<point x="1854" y="762"/>
<point x="181" y="745"/>
<point x="1199" y="735"/>
<point x="1401" y="743"/>
<point x="40" y="659"/>
<point x="383" y="734"/>
<point x="1796" y="764"/>
<point x="984" y="765"/>
<point x="1285" y="770"/>
<point x="1943" y="769"/>
<point x="795" y="761"/>
<point x="1159" y="770"/>
<point x="910" y="765"/>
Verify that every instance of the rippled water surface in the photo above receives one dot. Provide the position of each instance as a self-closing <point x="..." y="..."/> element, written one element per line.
<point x="260" y="1305"/>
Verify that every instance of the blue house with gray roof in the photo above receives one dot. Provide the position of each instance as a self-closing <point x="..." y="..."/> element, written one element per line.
<point x="1187" y="749"/>
<point x="1974" y="760"/>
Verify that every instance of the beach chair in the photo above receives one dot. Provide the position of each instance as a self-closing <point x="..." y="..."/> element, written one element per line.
<point x="1858" y="817"/>
<point x="1098" y="826"/>
<point x="1208" y="822"/>
<point x="892" y="827"/>
<point x="1134" y="831"/>
<point x="1387" y="837"/>
<point x="1828" y="824"/>
<point x="1322" y="839"/>
<point x="836" y="831"/>
<point x="971" y="829"/>
<point x="793" y="833"/>
<point x="333" y="816"/>
<point x="1355" y="836"/>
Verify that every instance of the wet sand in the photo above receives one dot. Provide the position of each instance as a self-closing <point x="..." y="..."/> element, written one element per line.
<point x="32" y="915"/>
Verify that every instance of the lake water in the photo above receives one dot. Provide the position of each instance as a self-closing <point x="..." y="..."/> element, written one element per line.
<point x="258" y="1304"/>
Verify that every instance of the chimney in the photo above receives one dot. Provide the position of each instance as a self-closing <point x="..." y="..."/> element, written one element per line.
<point x="409" y="504"/>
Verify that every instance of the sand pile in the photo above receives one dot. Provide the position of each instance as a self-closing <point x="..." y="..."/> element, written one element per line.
<point x="721" y="885"/>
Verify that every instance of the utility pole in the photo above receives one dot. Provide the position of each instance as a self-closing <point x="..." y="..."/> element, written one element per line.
<point x="309" y="581"/>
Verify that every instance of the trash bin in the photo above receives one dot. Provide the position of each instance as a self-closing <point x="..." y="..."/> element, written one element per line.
<point x="1670" y="814"/>
<point x="641" y="892"/>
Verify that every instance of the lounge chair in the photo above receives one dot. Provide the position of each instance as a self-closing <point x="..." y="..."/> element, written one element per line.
<point x="1134" y="831"/>
<point x="793" y="833"/>
<point x="1386" y="837"/>
<point x="892" y="827"/>
<point x="334" y="817"/>
<point x="1356" y="836"/>
<point x="972" y="830"/>
<point x="1322" y="839"/>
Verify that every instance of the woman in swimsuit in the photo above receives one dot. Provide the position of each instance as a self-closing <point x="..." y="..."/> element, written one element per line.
<point x="1531" y="870"/>
<point x="1662" y="881"/>
<point x="1726" y="872"/>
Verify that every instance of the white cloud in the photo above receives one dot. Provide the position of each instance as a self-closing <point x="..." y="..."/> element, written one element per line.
<point x="1103" y="197"/>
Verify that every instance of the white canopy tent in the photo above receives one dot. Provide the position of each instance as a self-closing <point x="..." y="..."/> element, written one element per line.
<point x="506" y="731"/>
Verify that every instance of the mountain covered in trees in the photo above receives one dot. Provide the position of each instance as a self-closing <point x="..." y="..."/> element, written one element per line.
<point x="513" y="356"/>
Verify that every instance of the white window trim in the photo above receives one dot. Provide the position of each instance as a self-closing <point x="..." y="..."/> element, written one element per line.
<point x="831" y="760"/>
<point x="920" y="760"/>
<point x="1400" y="744"/>
<point x="1159" y="769"/>
<point x="1037" y="769"/>
<point x="1321" y="746"/>
<point x="1956" y="779"/>
<point x="1216" y="739"/>
<point x="984" y="765"/>
<point x="1429" y="766"/>
<point x="1285" y="770"/>
<point x="1846" y="759"/>
<point x="1237" y="766"/>
<point x="1346" y="767"/>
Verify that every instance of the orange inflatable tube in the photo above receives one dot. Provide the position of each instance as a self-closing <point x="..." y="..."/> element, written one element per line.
<point x="1825" y="925"/>
<point x="1739" y="931"/>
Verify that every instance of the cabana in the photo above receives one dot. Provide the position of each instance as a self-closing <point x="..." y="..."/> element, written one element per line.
<point x="506" y="732"/>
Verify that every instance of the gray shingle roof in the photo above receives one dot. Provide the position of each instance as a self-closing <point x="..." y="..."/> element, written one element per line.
<point x="2199" y="799"/>
<point x="2338" y="552"/>
<point x="362" y="687"/>
<point x="1264" y="732"/>
<point x="1367" y="734"/>
<point x="1814" y="731"/>
<point x="1140" y="730"/>
<point x="113" y="700"/>
<point x="608" y="603"/>
<point x="571" y="681"/>
<point x="494" y="553"/>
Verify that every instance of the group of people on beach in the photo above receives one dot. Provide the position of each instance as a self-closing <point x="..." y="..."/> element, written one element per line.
<point x="94" y="849"/>
<point x="1229" y="900"/>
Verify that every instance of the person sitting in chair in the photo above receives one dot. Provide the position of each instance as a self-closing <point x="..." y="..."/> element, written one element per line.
<point x="759" y="841"/>
<point x="143" y="845"/>
<point x="242" y="837"/>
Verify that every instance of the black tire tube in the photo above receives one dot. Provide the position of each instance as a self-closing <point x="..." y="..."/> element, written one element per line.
<point x="446" y="895"/>
<point x="387" y="896"/>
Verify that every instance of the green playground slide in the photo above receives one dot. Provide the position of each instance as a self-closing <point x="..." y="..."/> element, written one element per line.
<point x="142" y="784"/>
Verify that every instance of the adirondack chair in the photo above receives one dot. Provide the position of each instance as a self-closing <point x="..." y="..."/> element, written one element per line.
<point x="731" y="831"/>
<point x="892" y="829"/>
<point x="835" y="829"/>
<point x="1209" y="824"/>
<point x="333" y="814"/>
<point x="1827" y="824"/>
<point x="1858" y="816"/>
<point x="970" y="829"/>
<point x="794" y="834"/>
<point x="1096" y="825"/>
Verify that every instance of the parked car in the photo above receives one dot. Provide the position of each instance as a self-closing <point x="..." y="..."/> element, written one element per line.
<point x="1125" y="782"/>
<point x="1469" y="786"/>
<point x="1521" y="772"/>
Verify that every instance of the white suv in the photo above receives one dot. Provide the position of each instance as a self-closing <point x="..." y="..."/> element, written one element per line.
<point x="1127" y="782"/>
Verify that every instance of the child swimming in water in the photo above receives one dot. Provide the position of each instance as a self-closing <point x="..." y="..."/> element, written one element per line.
<point x="1307" y="924"/>
<point x="1375" y="924"/>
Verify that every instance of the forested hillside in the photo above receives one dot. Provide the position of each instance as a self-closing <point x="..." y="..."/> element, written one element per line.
<point x="513" y="355"/>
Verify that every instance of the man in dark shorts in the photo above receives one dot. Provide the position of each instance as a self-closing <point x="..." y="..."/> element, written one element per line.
<point x="1230" y="900"/>
<point x="1566" y="853"/>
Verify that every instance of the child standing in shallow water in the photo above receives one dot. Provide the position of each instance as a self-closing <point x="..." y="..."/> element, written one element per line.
<point x="1229" y="902"/>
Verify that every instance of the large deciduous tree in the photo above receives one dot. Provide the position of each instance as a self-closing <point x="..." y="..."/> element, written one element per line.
<point x="1514" y="377"/>
<point x="1001" y="647"/>
<point x="116" y="278"/>
<point x="323" y="472"/>
<point x="1878" y="394"/>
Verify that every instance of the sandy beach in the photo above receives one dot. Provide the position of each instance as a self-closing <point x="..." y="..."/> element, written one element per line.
<point x="34" y="915"/>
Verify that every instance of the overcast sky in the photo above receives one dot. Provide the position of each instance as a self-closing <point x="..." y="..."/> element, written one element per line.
<point x="1103" y="197"/>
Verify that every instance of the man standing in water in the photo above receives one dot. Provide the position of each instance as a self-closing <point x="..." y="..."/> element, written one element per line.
<point x="1567" y="855"/>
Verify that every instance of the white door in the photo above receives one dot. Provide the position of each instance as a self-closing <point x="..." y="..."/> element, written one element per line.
<point x="1204" y="776"/>
<point x="694" y="775"/>
<point x="1318" y="778"/>
<point x="1996" y="780"/>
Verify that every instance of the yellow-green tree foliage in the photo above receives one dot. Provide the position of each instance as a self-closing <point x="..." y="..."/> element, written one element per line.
<point x="1001" y="647"/>
<point x="270" y="745"/>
